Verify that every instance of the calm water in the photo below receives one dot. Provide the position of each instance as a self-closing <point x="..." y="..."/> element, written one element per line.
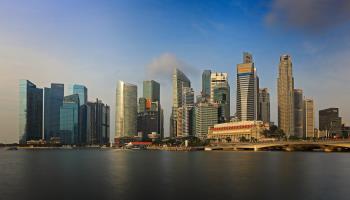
<point x="111" y="174"/>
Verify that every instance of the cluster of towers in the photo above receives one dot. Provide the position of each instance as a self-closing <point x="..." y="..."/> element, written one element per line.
<point x="47" y="115"/>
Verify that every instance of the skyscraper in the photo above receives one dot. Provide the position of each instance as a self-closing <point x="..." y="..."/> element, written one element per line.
<point x="206" y="83"/>
<point x="185" y="113"/>
<point x="285" y="93"/>
<point x="264" y="105"/>
<point x="30" y="111"/>
<point x="205" y="115"/>
<point x="309" y="118"/>
<point x="151" y="90"/>
<point x="98" y="131"/>
<point x="53" y="100"/>
<point x="180" y="80"/>
<point x="126" y="110"/>
<point x="81" y="90"/>
<point x="247" y="89"/>
<point x="149" y="118"/>
<point x="298" y="113"/>
<point x="220" y="94"/>
<point x="69" y="120"/>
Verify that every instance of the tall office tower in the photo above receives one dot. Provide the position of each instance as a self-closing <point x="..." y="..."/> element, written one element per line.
<point x="180" y="80"/>
<point x="247" y="90"/>
<point x="151" y="90"/>
<point x="206" y="83"/>
<point x="81" y="90"/>
<point x="98" y="132"/>
<point x="285" y="92"/>
<point x="185" y="113"/>
<point x="126" y="110"/>
<point x="298" y="113"/>
<point x="149" y="119"/>
<point x="309" y="118"/>
<point x="330" y="121"/>
<point x="69" y="119"/>
<point x="220" y="94"/>
<point x="30" y="112"/>
<point x="264" y="105"/>
<point x="53" y="99"/>
<point x="205" y="115"/>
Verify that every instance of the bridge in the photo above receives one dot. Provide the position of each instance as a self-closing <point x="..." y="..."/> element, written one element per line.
<point x="303" y="145"/>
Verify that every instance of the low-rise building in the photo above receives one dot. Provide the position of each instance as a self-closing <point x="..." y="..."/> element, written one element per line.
<point x="236" y="131"/>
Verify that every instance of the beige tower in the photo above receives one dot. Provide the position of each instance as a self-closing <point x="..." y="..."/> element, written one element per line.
<point x="285" y="92"/>
<point x="309" y="118"/>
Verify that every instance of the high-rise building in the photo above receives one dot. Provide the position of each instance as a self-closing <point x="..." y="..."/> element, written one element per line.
<point x="53" y="100"/>
<point x="30" y="112"/>
<point x="309" y="118"/>
<point x="330" y="121"/>
<point x="98" y="128"/>
<point x="180" y="81"/>
<point x="185" y="113"/>
<point x="126" y="110"/>
<point x="220" y="94"/>
<point x="206" y="83"/>
<point x="151" y="90"/>
<point x="298" y="113"/>
<point x="205" y="115"/>
<point x="264" y="105"/>
<point x="247" y="90"/>
<point x="69" y="120"/>
<point x="81" y="90"/>
<point x="285" y="93"/>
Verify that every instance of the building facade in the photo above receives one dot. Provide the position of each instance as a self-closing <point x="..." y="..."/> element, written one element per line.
<point x="126" y="110"/>
<point x="309" y="119"/>
<point x="53" y="100"/>
<point x="180" y="81"/>
<point x="30" y="112"/>
<point x="220" y="94"/>
<point x="206" y="83"/>
<point x="298" y="113"/>
<point x="205" y="115"/>
<point x="247" y="90"/>
<point x="238" y="131"/>
<point x="69" y="120"/>
<point x="285" y="93"/>
<point x="330" y="121"/>
<point x="264" y="105"/>
<point x="185" y="120"/>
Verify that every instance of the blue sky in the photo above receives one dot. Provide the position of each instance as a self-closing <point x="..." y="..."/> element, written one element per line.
<point x="96" y="43"/>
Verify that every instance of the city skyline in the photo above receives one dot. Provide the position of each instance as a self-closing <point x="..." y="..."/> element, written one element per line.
<point x="316" y="57"/>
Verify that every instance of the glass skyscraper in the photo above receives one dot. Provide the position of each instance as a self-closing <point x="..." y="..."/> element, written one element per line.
<point x="81" y="90"/>
<point x="53" y="99"/>
<point x="69" y="119"/>
<point x="30" y="111"/>
<point x="151" y="90"/>
<point x="206" y="83"/>
<point x="126" y="110"/>
<point x="220" y="94"/>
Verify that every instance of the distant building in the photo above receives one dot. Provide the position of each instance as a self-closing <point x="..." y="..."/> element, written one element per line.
<point x="299" y="113"/>
<point x="220" y="94"/>
<point x="247" y="90"/>
<point x="151" y="90"/>
<point x="180" y="81"/>
<point x="309" y="118"/>
<point x="69" y="120"/>
<point x="205" y="115"/>
<point x="30" y="112"/>
<point x="206" y="83"/>
<point x="285" y="93"/>
<point x="330" y="121"/>
<point x="126" y="110"/>
<point x="98" y="123"/>
<point x="81" y="90"/>
<point x="53" y="100"/>
<point x="185" y="113"/>
<point x="264" y="105"/>
<point x="237" y="131"/>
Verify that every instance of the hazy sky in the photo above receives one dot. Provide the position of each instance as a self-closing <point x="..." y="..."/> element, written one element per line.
<point x="96" y="43"/>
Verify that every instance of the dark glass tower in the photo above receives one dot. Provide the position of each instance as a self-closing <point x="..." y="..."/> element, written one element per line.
<point x="30" y="111"/>
<point x="53" y="99"/>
